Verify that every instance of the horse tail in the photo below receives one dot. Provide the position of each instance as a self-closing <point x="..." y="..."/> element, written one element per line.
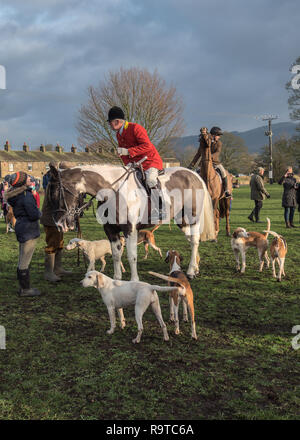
<point x="208" y="230"/>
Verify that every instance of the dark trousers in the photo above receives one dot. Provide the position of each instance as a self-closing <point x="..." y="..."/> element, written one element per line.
<point x="289" y="214"/>
<point x="257" y="208"/>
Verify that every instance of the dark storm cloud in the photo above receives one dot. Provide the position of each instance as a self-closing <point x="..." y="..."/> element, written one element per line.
<point x="228" y="60"/>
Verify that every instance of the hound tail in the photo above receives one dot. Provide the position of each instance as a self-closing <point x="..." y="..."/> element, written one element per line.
<point x="279" y="237"/>
<point x="155" y="227"/>
<point x="181" y="289"/>
<point x="268" y="227"/>
<point x="273" y="233"/>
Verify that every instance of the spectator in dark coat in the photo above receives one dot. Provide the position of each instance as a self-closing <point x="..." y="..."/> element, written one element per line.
<point x="27" y="227"/>
<point x="258" y="193"/>
<point x="289" y="201"/>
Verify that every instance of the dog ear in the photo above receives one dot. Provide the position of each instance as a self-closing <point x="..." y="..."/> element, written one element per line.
<point x="100" y="280"/>
<point x="235" y="234"/>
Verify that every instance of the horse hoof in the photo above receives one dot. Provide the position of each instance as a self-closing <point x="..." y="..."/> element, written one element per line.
<point x="190" y="277"/>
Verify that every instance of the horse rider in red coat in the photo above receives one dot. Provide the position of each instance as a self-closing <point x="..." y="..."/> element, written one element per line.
<point x="134" y="145"/>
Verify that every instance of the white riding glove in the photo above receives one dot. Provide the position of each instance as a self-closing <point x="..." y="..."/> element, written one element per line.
<point x="123" y="152"/>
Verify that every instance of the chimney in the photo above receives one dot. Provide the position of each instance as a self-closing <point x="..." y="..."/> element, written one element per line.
<point x="58" y="148"/>
<point x="25" y="147"/>
<point x="73" y="149"/>
<point x="7" y="146"/>
<point x="100" y="150"/>
<point x="43" y="148"/>
<point x="87" y="149"/>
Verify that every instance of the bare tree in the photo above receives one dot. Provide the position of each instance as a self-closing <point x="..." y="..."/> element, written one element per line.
<point x="235" y="156"/>
<point x="144" y="97"/>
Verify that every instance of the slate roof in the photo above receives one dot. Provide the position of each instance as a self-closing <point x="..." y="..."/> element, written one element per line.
<point x="39" y="156"/>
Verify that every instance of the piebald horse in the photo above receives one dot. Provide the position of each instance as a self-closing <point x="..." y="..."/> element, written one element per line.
<point x="122" y="200"/>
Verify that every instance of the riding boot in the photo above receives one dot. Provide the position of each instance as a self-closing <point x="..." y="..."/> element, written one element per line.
<point x="158" y="206"/>
<point x="24" y="282"/>
<point x="49" y="274"/>
<point x="225" y="183"/>
<point x="292" y="225"/>
<point x="288" y="225"/>
<point x="58" y="269"/>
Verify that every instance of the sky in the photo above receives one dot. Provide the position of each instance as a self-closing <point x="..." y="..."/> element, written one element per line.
<point x="229" y="60"/>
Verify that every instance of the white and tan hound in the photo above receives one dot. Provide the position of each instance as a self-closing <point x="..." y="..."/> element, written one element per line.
<point x="117" y="294"/>
<point x="177" y="278"/>
<point x="278" y="251"/>
<point x="242" y="240"/>
<point x="147" y="237"/>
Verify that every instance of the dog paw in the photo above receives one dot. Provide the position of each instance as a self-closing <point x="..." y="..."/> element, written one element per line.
<point x="123" y="325"/>
<point x="166" y="338"/>
<point x="136" y="340"/>
<point x="110" y="331"/>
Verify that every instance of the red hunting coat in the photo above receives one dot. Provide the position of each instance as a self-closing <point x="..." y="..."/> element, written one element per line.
<point x="135" y="138"/>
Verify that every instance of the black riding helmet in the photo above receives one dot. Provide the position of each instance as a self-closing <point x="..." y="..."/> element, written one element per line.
<point x="115" y="113"/>
<point x="216" y="131"/>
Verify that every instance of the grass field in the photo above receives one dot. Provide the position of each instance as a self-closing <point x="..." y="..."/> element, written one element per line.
<point x="59" y="363"/>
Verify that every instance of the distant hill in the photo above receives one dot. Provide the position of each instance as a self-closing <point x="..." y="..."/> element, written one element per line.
<point x="254" y="139"/>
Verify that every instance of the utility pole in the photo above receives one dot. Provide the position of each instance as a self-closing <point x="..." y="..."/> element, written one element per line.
<point x="269" y="133"/>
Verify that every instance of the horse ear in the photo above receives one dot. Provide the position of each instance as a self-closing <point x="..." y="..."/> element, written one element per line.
<point x="180" y="258"/>
<point x="53" y="171"/>
<point x="167" y="259"/>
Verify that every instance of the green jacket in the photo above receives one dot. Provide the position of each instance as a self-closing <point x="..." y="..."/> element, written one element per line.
<point x="258" y="191"/>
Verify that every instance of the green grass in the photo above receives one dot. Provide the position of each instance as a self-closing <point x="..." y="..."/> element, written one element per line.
<point x="61" y="364"/>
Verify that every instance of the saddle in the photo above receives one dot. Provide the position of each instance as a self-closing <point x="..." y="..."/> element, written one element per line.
<point x="141" y="178"/>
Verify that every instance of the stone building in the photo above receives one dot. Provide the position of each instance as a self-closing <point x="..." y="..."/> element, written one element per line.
<point x="36" y="162"/>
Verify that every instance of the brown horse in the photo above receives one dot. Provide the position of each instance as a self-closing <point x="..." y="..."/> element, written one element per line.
<point x="221" y="204"/>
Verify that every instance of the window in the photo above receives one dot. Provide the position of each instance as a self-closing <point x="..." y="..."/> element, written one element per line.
<point x="29" y="166"/>
<point x="47" y="167"/>
<point x="10" y="167"/>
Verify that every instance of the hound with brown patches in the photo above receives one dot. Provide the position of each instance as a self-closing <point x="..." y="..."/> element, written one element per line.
<point x="242" y="240"/>
<point x="278" y="251"/>
<point x="117" y="294"/>
<point x="178" y="278"/>
<point x="147" y="237"/>
<point x="10" y="220"/>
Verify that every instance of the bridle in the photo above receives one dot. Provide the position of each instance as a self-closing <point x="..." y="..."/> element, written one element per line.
<point x="74" y="212"/>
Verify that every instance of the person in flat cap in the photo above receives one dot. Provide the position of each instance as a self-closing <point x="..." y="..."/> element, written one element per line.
<point x="27" y="227"/>
<point x="134" y="145"/>
<point x="258" y="193"/>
